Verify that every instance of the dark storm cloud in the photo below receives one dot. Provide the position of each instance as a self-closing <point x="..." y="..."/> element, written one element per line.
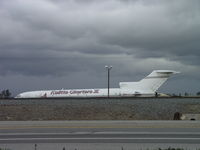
<point x="63" y="37"/>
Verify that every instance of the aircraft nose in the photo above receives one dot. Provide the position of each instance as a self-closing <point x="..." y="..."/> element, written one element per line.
<point x="18" y="96"/>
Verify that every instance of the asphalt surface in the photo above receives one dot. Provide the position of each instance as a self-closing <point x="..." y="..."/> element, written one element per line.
<point x="185" y="132"/>
<point x="149" y="137"/>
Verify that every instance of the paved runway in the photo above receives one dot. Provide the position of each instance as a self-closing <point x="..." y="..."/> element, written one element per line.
<point x="102" y="132"/>
<point x="148" y="137"/>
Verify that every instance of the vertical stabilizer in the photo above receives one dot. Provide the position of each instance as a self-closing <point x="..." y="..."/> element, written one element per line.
<point x="151" y="83"/>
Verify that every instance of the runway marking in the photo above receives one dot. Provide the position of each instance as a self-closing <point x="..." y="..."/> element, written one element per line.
<point x="87" y="127"/>
<point x="105" y="133"/>
<point x="114" y="138"/>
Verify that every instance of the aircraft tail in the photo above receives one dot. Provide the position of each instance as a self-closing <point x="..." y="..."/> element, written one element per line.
<point x="151" y="83"/>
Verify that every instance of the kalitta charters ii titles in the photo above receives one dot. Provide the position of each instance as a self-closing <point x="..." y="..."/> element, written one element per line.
<point x="60" y="92"/>
<point x="146" y="87"/>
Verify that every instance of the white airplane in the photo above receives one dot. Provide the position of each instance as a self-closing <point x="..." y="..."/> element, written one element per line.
<point x="146" y="87"/>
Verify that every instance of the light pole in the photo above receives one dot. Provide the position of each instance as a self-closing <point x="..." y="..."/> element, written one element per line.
<point x="108" y="68"/>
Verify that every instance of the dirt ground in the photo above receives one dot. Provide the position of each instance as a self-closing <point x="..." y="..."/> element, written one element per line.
<point x="126" y="109"/>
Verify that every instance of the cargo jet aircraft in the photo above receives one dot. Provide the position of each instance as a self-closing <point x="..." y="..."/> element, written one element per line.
<point x="146" y="87"/>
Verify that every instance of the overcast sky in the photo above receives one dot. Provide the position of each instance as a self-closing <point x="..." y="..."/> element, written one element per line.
<point x="54" y="44"/>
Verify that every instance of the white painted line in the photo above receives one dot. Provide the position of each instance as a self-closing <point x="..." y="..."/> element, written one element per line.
<point x="103" y="133"/>
<point x="29" y="139"/>
<point x="154" y="133"/>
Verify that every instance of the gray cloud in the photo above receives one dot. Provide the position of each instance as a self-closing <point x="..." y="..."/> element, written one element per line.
<point x="50" y="39"/>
